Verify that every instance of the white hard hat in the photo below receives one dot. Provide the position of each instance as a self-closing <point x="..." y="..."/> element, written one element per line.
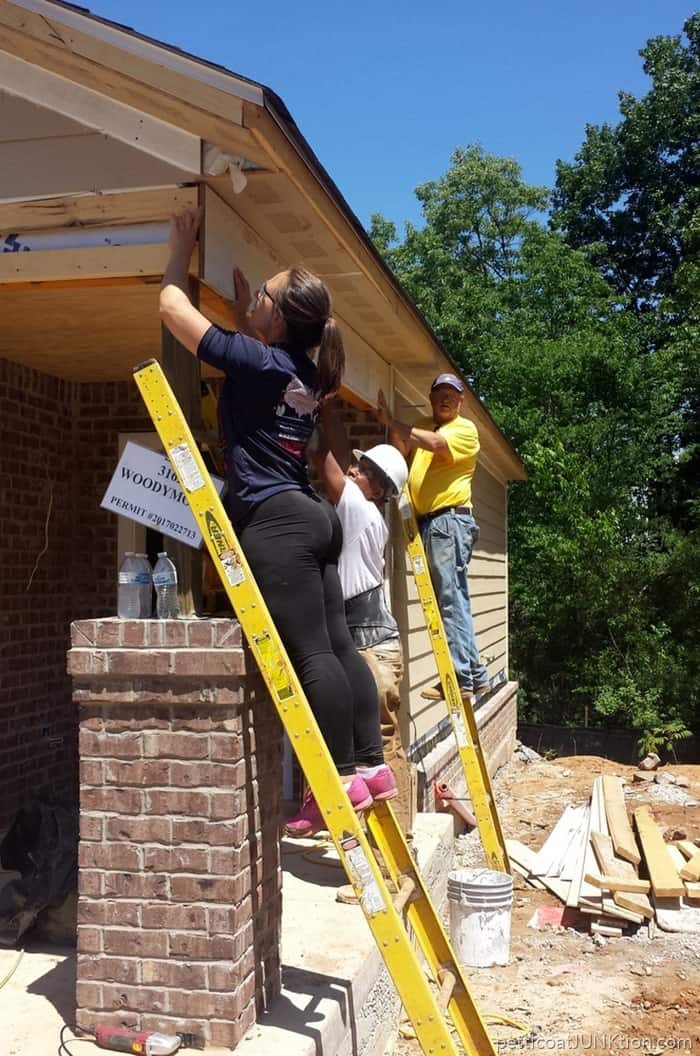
<point x="390" y="461"/>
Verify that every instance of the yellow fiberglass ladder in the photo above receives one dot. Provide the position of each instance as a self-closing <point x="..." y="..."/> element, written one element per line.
<point x="427" y="1007"/>
<point x="460" y="712"/>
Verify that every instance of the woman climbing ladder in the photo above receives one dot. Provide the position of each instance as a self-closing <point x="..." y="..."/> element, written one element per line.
<point x="291" y="537"/>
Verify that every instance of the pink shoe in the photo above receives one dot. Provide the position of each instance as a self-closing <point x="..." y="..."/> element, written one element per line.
<point x="359" y="793"/>
<point x="308" y="821"/>
<point x="383" y="784"/>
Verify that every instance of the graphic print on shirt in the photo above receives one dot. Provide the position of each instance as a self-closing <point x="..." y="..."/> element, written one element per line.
<point x="296" y="415"/>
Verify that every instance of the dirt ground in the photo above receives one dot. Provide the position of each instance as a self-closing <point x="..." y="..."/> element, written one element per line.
<point x="569" y="990"/>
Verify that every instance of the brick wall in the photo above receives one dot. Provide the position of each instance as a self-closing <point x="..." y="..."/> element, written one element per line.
<point x="437" y="758"/>
<point x="180" y="780"/>
<point x="37" y="731"/>
<point x="58" y="449"/>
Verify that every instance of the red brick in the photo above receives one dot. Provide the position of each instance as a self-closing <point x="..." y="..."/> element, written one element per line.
<point x="122" y="746"/>
<point x="90" y="882"/>
<point x="189" y="947"/>
<point x="176" y="859"/>
<point x="203" y="1003"/>
<point x="229" y="861"/>
<point x="225" y="805"/>
<point x="174" y="917"/>
<point x="140" y="830"/>
<point x="100" y="911"/>
<point x="133" y="633"/>
<point x="165" y="973"/>
<point x="176" y="801"/>
<point x="135" y="885"/>
<point x="112" y="800"/>
<point x="175" y="746"/>
<point x="139" y="999"/>
<point x="214" y="833"/>
<point x="89" y="939"/>
<point x="109" y="969"/>
<point x="91" y="772"/>
<point x="88" y="994"/>
<point x="226" y="747"/>
<point x="138" y="662"/>
<point x="91" y="827"/>
<point x="200" y="634"/>
<point x="135" y="942"/>
<point x="151" y="772"/>
<point x="108" y="856"/>
<point x="204" y="889"/>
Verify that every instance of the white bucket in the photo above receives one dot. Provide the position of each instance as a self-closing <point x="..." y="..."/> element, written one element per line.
<point x="480" y="907"/>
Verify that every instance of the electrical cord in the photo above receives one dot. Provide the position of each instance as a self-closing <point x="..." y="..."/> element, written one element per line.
<point x="63" y="1049"/>
<point x="12" y="970"/>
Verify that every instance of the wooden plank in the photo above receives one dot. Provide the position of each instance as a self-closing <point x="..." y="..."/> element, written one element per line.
<point x="611" y="930"/>
<point x="616" y="883"/>
<point x="618" y="867"/>
<point x="691" y="869"/>
<point x="609" y="908"/>
<point x="676" y="857"/>
<point x="225" y="132"/>
<point x="85" y="263"/>
<point x="687" y="848"/>
<point x="589" y="867"/>
<point x="524" y="856"/>
<point x="665" y="882"/>
<point x="578" y="861"/>
<point x="618" y="820"/>
<point x="108" y="116"/>
<point x="692" y="890"/>
<point x="96" y="210"/>
<point x="556" y="843"/>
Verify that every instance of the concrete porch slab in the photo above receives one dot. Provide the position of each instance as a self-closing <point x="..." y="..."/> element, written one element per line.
<point x="337" y="998"/>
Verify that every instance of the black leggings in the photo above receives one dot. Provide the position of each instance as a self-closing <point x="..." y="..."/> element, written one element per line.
<point x="292" y="542"/>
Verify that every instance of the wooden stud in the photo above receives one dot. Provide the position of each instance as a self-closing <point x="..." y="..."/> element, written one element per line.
<point x="691" y="869"/>
<point x="96" y="210"/>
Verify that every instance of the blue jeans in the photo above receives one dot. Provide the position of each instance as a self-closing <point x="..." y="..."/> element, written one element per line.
<point x="448" y="540"/>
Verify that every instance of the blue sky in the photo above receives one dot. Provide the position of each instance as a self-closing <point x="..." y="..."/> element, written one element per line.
<point x="383" y="91"/>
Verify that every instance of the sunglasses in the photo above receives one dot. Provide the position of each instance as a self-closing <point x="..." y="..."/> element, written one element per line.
<point x="264" y="292"/>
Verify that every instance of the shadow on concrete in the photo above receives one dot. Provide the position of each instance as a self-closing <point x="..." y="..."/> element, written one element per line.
<point x="314" y="863"/>
<point x="57" y="984"/>
<point x="312" y="990"/>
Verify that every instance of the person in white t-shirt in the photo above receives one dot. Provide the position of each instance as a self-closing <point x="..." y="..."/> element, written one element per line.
<point x="359" y="483"/>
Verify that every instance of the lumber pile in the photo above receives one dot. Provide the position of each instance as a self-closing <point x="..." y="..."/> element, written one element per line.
<point x="620" y="874"/>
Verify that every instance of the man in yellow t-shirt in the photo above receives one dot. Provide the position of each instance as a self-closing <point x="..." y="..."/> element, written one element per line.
<point x="443" y="452"/>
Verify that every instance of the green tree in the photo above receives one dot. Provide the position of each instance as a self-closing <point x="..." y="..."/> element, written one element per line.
<point x="540" y="333"/>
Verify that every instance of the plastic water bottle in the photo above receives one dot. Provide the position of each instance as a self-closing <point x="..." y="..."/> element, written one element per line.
<point x="129" y="592"/>
<point x="165" y="582"/>
<point x="146" y="585"/>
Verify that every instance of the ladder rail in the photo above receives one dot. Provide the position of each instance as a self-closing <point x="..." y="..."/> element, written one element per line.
<point x="461" y="713"/>
<point x="342" y="822"/>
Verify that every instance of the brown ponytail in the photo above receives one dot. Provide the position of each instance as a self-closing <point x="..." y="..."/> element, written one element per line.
<point x="331" y="358"/>
<point x="305" y="304"/>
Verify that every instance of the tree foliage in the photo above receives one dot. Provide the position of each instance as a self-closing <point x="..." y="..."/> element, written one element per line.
<point x="581" y="336"/>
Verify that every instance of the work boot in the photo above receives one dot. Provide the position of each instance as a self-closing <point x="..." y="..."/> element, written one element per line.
<point x="433" y="692"/>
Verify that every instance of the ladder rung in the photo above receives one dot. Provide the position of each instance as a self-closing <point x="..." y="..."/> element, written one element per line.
<point x="406" y="889"/>
<point x="448" y="981"/>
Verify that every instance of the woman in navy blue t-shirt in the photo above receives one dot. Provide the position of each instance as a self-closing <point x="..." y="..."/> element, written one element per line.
<point x="291" y="537"/>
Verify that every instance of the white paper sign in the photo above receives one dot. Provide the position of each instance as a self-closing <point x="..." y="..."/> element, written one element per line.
<point x="145" y="489"/>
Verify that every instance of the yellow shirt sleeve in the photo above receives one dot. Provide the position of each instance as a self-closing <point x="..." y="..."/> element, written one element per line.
<point x="433" y="486"/>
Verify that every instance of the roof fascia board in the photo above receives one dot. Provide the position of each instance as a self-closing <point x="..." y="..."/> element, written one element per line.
<point x="153" y="51"/>
<point x="117" y="120"/>
<point x="368" y="258"/>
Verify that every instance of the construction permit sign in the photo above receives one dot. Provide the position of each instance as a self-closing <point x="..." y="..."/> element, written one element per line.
<point x="144" y="488"/>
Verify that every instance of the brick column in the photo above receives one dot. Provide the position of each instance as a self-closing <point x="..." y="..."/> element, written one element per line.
<point x="179" y="871"/>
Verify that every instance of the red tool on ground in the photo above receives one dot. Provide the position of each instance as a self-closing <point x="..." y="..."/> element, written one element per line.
<point x="140" y="1043"/>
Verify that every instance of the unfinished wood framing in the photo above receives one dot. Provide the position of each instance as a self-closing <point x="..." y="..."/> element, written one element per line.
<point x="110" y="262"/>
<point x="96" y="210"/>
